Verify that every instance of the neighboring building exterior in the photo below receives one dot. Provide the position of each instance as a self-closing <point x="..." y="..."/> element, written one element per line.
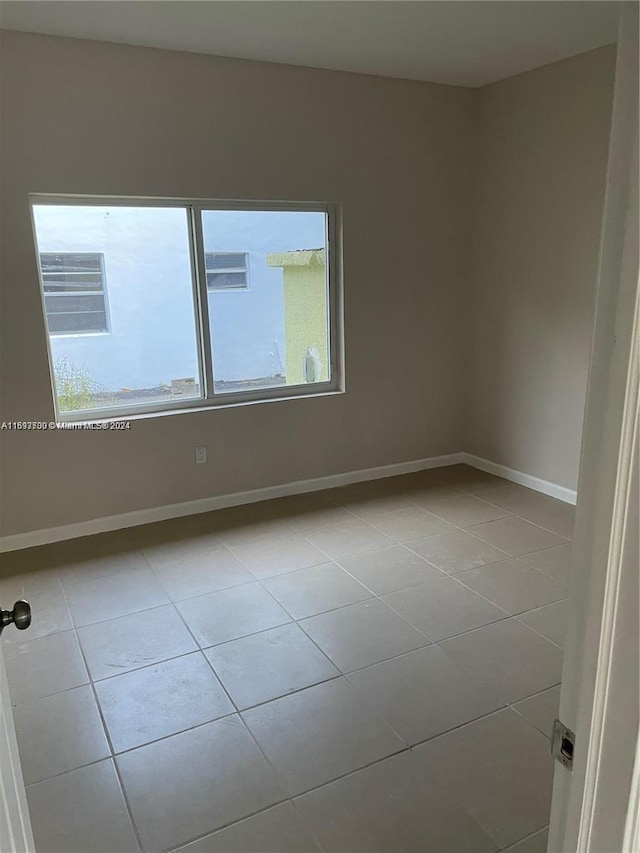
<point x="305" y="311"/>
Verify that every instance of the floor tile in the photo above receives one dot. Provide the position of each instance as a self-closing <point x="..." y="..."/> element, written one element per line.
<point x="277" y="830"/>
<point x="59" y="733"/>
<point x="554" y="515"/>
<point x="198" y="531"/>
<point x="49" y="611"/>
<point x="314" y="590"/>
<point x="130" y="642"/>
<point x="199" y="576"/>
<point x="348" y="538"/>
<point x="386" y="808"/>
<point x="541" y="710"/>
<point x="238" y="533"/>
<point x="216" y="775"/>
<point x="161" y="700"/>
<point x="390" y="569"/>
<point x="231" y="613"/>
<point x="319" y="734"/>
<point x="43" y="666"/>
<point x="89" y="561"/>
<point x="544" y="510"/>
<point x="469" y="479"/>
<point x="405" y="525"/>
<point x="506" y="494"/>
<point x="81" y="812"/>
<point x="536" y="843"/>
<point x="427" y="496"/>
<point x="516" y="536"/>
<point x="319" y="516"/>
<point x="268" y="665"/>
<point x="498" y="769"/>
<point x="509" y="657"/>
<point x="424" y="693"/>
<point x="555" y="562"/>
<point x="362" y="634"/>
<point x="256" y="514"/>
<point x="370" y="505"/>
<point x="466" y="510"/>
<point x="457" y="552"/>
<point x="337" y="743"/>
<point x="116" y="595"/>
<point x="513" y="586"/>
<point x="550" y="621"/>
<point x="196" y="548"/>
<point x="444" y="608"/>
<point x="42" y="560"/>
<point x="277" y="554"/>
<point x="293" y="506"/>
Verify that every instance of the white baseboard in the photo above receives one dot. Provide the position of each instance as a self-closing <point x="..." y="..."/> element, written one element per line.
<point x="162" y="513"/>
<point x="555" y="491"/>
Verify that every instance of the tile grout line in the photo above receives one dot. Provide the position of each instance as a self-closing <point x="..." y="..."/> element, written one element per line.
<point x="192" y="840"/>
<point x="123" y="791"/>
<point x="392" y="542"/>
<point x="276" y="775"/>
<point x="511" y="615"/>
<point x="524" y="838"/>
<point x="375" y="595"/>
<point x="295" y="621"/>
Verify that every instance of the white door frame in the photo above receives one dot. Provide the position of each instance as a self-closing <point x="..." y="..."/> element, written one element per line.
<point x="15" y="825"/>
<point x="606" y="521"/>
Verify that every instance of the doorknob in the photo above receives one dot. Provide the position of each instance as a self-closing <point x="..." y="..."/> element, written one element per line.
<point x="20" y="616"/>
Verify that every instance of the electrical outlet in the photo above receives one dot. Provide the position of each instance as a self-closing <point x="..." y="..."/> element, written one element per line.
<point x="201" y="455"/>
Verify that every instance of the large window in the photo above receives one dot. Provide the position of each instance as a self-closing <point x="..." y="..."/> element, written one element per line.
<point x="204" y="304"/>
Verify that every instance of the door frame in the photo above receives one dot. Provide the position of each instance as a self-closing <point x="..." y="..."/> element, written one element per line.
<point x="606" y="522"/>
<point x="16" y="835"/>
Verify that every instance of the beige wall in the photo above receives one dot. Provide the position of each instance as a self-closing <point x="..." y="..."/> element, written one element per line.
<point x="97" y="118"/>
<point x="471" y="222"/>
<point x="540" y="169"/>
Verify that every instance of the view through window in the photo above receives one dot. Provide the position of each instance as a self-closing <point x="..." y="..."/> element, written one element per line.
<point x="170" y="306"/>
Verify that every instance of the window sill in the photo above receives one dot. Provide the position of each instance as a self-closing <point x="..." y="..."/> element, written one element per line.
<point x="201" y="405"/>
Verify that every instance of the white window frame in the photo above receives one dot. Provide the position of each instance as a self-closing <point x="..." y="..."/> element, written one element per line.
<point x="209" y="398"/>
<point x="244" y="269"/>
<point x="102" y="293"/>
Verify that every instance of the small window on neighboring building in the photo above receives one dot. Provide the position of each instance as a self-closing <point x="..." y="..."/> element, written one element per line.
<point x="74" y="293"/>
<point x="226" y="270"/>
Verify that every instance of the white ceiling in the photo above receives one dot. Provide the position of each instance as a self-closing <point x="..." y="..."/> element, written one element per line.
<point x="460" y="42"/>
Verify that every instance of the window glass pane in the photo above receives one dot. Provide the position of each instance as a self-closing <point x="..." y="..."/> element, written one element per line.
<point x="71" y="282"/>
<point x="132" y="338"/>
<point x="225" y="260"/>
<point x="65" y="323"/>
<point x="72" y="303"/>
<point x="276" y="331"/>
<point x="226" y="279"/>
<point x="75" y="262"/>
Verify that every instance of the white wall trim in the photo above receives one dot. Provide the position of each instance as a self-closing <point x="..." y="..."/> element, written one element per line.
<point x="631" y="840"/>
<point x="553" y="489"/>
<point x="162" y="513"/>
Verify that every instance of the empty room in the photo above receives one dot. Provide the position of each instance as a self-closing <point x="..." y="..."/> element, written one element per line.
<point x="318" y="446"/>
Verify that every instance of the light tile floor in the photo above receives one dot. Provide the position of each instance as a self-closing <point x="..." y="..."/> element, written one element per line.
<point x="372" y="668"/>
